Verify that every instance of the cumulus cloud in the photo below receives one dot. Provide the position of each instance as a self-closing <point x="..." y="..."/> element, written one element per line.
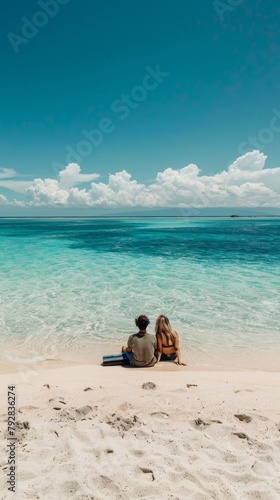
<point x="72" y="176"/>
<point x="69" y="177"/>
<point x="53" y="192"/>
<point x="246" y="183"/>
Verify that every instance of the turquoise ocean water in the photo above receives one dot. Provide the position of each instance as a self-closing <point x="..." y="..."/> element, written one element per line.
<point x="71" y="288"/>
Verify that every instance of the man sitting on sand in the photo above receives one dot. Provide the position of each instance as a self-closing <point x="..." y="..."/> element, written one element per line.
<point x="140" y="348"/>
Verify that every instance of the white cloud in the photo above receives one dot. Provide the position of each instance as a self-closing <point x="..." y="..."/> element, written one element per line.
<point x="13" y="185"/>
<point x="17" y="186"/>
<point x="6" y="173"/>
<point x="72" y="176"/>
<point x="3" y="200"/>
<point x="252" y="162"/>
<point x="246" y="183"/>
<point x="68" y="178"/>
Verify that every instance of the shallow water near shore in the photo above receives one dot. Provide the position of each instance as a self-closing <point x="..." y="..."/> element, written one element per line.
<point x="70" y="288"/>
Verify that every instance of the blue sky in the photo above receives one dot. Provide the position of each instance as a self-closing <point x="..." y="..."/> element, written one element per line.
<point x="221" y="86"/>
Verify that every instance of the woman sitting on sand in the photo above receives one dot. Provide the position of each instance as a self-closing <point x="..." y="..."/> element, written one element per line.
<point x="168" y="348"/>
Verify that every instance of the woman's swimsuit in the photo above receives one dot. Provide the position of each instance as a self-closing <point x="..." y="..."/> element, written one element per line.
<point x="168" y="357"/>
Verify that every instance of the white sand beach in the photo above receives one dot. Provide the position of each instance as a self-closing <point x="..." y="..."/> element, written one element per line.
<point x="92" y="432"/>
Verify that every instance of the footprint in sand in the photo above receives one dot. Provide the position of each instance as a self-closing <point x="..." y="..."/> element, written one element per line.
<point x="57" y="402"/>
<point x="21" y="430"/>
<point x="241" y="435"/>
<point x="200" y="423"/>
<point x="23" y="425"/>
<point x="75" y="413"/>
<point x="148" y="385"/>
<point x="244" y="418"/>
<point x="122" y="424"/>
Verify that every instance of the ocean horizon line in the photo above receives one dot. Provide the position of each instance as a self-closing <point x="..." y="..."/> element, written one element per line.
<point x="233" y="216"/>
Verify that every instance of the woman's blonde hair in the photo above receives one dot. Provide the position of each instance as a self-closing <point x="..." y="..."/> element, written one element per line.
<point x="163" y="326"/>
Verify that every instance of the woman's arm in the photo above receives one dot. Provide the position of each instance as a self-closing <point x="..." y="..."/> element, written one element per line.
<point x="159" y="347"/>
<point x="178" y="350"/>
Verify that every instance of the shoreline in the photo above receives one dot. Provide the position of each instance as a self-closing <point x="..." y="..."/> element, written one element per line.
<point x="31" y="369"/>
<point x="208" y="359"/>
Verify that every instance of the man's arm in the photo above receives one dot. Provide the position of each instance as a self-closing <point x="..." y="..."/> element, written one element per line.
<point x="128" y="348"/>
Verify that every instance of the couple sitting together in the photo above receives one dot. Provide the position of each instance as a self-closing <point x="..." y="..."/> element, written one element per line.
<point x="144" y="349"/>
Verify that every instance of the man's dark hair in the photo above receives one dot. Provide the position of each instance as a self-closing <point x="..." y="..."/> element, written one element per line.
<point x="142" y="322"/>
